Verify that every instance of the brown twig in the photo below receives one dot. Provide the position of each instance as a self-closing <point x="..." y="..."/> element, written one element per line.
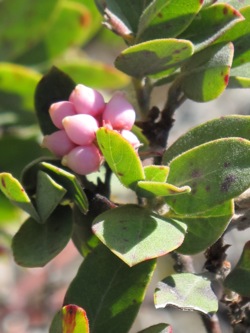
<point x="183" y="263"/>
<point x="159" y="123"/>
<point x="211" y="324"/>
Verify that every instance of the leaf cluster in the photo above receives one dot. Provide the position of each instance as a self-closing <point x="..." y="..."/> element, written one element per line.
<point x="185" y="193"/>
<point x="191" y="43"/>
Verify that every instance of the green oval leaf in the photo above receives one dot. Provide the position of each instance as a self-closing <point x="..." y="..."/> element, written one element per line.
<point x="94" y="74"/>
<point x="165" y="19"/>
<point x="205" y="76"/>
<point x="120" y="156"/>
<point x="34" y="245"/>
<point x="240" y="36"/>
<point x="48" y="195"/>
<point x="211" y="223"/>
<point x="70" y="183"/>
<point x="15" y="192"/>
<point x="22" y="23"/>
<point x="238" y="279"/>
<point x="55" y="86"/>
<point x="216" y="172"/>
<point x="212" y="22"/>
<point x="105" y="287"/>
<point x="186" y="291"/>
<point x="136" y="234"/>
<point x="224" y="127"/>
<point x="158" y="57"/>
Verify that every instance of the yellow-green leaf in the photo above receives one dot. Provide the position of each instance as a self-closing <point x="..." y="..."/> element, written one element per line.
<point x="120" y="156"/>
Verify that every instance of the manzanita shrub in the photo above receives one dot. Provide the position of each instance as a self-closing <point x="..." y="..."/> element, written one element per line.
<point x="185" y="193"/>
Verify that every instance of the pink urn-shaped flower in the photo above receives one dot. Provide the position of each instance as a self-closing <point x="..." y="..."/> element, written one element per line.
<point x="77" y="121"/>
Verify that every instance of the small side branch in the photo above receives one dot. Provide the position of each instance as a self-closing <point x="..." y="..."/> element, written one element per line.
<point x="143" y="90"/>
<point x="159" y="123"/>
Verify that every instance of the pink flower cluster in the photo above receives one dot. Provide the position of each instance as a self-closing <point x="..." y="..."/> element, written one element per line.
<point x="77" y="121"/>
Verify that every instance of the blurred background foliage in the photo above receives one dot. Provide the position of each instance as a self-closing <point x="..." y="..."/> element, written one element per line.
<point x="35" y="35"/>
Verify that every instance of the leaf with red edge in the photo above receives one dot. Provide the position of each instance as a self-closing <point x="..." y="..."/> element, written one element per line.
<point x="211" y="23"/>
<point x="205" y="76"/>
<point x="74" y="319"/>
<point x="70" y="319"/>
<point x="237" y="4"/>
<point x="135" y="234"/>
<point x="240" y="36"/>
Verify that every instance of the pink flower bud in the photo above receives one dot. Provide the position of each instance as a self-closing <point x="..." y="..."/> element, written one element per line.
<point x="60" y="110"/>
<point x="58" y="143"/>
<point x="119" y="113"/>
<point x="83" y="159"/>
<point x="131" y="138"/>
<point x="87" y="100"/>
<point x="81" y="128"/>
